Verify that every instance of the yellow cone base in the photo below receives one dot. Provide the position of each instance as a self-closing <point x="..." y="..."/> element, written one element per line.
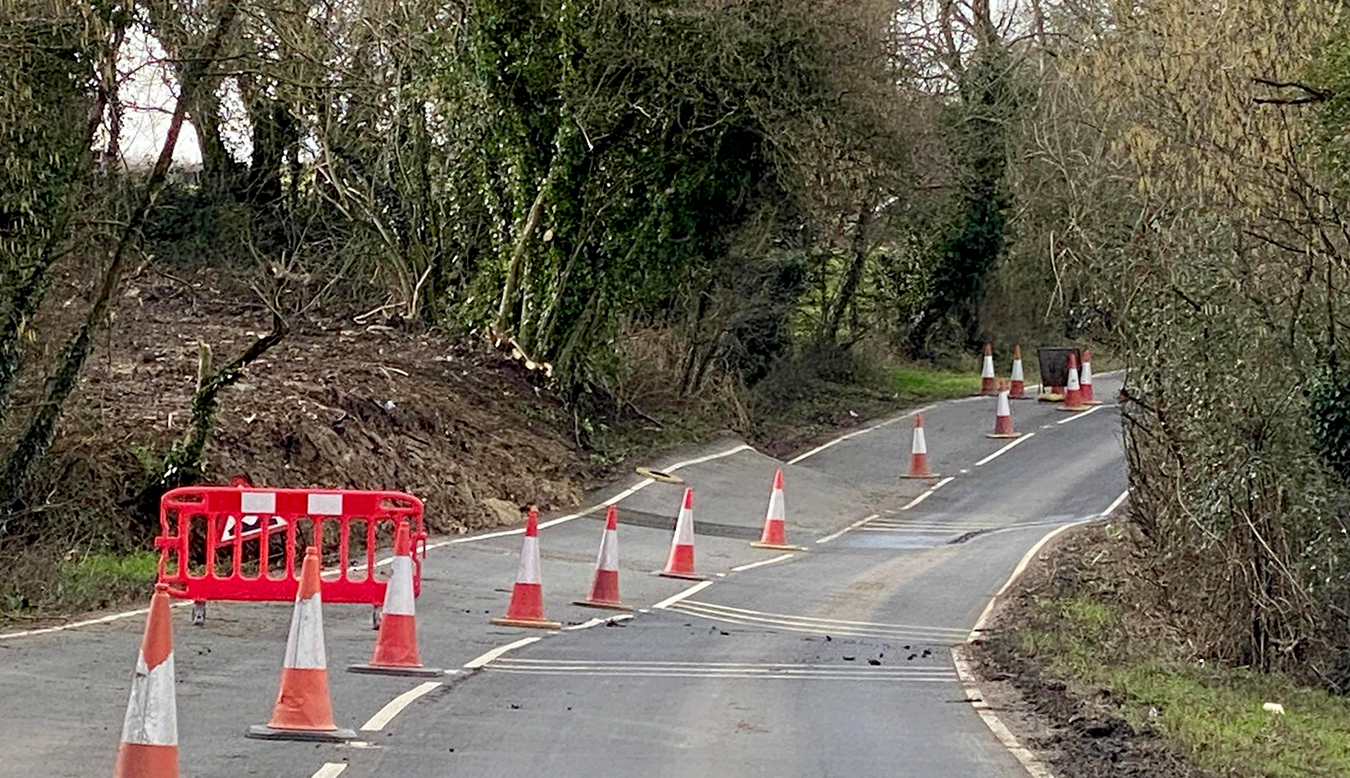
<point x="920" y="476"/>
<point x="1004" y="436"/>
<point x="1049" y="397"/>
<point x="403" y="672"/>
<point x="531" y="623"/>
<point x="264" y="732"/>
<point x="614" y="606"/>
<point x="775" y="546"/>
<point x="1075" y="409"/>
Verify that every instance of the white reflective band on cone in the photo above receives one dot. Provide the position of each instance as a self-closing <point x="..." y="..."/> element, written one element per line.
<point x="1087" y="373"/>
<point x="920" y="442"/>
<point x="1073" y="379"/>
<point x="398" y="595"/>
<point x="684" y="528"/>
<point x="988" y="367"/>
<point x="776" y="508"/>
<point x="152" y="714"/>
<point x="609" y="551"/>
<point x="1017" y="370"/>
<point x="304" y="647"/>
<point x="528" y="573"/>
<point x="1003" y="409"/>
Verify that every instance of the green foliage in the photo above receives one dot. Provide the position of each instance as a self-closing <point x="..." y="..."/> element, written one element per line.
<point x="1329" y="414"/>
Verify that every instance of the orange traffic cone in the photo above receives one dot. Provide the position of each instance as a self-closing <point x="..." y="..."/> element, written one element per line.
<point x="775" y="521"/>
<point x="527" y="597"/>
<point x="149" y="746"/>
<point x="1003" y="425"/>
<point x="1073" y="393"/>
<point x="1017" y="382"/>
<point x="1085" y="381"/>
<point x="987" y="373"/>
<point x="680" y="563"/>
<point x="304" y="711"/>
<point x="396" y="646"/>
<point x="605" y="587"/>
<point x="918" y="453"/>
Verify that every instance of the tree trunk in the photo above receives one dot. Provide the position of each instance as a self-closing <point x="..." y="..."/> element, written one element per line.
<point x="502" y="327"/>
<point x="37" y="437"/>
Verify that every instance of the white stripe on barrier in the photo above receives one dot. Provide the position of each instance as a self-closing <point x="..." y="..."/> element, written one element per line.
<point x="325" y="505"/>
<point x="258" y="502"/>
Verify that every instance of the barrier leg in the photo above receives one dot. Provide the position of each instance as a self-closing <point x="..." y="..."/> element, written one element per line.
<point x="198" y="613"/>
<point x="375" y="613"/>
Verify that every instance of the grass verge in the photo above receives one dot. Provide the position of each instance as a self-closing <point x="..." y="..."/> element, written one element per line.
<point x="1083" y="632"/>
<point x="77" y="583"/>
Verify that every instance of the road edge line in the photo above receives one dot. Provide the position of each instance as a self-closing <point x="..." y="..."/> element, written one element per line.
<point x="1029" y="761"/>
<point x="856" y="433"/>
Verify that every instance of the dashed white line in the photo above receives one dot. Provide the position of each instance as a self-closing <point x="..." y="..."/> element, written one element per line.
<point x="762" y="563"/>
<point x="690" y="592"/>
<point x="856" y="433"/>
<point x="330" y="770"/>
<point x="626" y="493"/>
<point x="597" y="622"/>
<point x="928" y="493"/>
<point x="396" y="705"/>
<point x="1005" y="449"/>
<point x="1081" y="414"/>
<point x="474" y="664"/>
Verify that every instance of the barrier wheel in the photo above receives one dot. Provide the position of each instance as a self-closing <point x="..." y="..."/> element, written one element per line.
<point x="375" y="617"/>
<point x="198" y="614"/>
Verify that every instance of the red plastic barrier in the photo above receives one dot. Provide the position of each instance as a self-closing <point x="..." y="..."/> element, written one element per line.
<point x="246" y="543"/>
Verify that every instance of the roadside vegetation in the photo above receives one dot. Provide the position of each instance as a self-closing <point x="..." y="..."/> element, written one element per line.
<point x="1140" y="690"/>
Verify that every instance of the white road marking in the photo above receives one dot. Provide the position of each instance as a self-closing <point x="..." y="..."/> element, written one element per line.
<point x="1034" y="767"/>
<point x="76" y="625"/>
<point x="691" y="591"/>
<point x="474" y="664"/>
<point x="638" y="669"/>
<point x="597" y="622"/>
<point x="928" y="493"/>
<point x="1031" y="554"/>
<point x="856" y="433"/>
<point x="1005" y="449"/>
<point x="330" y="770"/>
<point x="854" y="525"/>
<point x="396" y="705"/>
<point x="626" y="493"/>
<point x="816" y="626"/>
<point x="1081" y="414"/>
<point x="753" y="565"/>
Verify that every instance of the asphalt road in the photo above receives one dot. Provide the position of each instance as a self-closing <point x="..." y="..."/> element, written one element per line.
<point x="834" y="661"/>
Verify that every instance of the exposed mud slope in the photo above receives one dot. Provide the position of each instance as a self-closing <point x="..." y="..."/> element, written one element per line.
<point x="336" y="404"/>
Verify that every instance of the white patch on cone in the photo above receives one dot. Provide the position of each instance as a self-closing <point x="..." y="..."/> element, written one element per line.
<point x="152" y="712"/>
<point x="776" y="508"/>
<point x="1017" y="370"/>
<point x="528" y="573"/>
<point x="398" y="595"/>
<point x="609" y="551"/>
<point x="1087" y="374"/>
<point x="304" y="646"/>
<point x="1073" y="380"/>
<point x="1003" y="409"/>
<point x="920" y="442"/>
<point x="684" y="528"/>
<point x="988" y="367"/>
